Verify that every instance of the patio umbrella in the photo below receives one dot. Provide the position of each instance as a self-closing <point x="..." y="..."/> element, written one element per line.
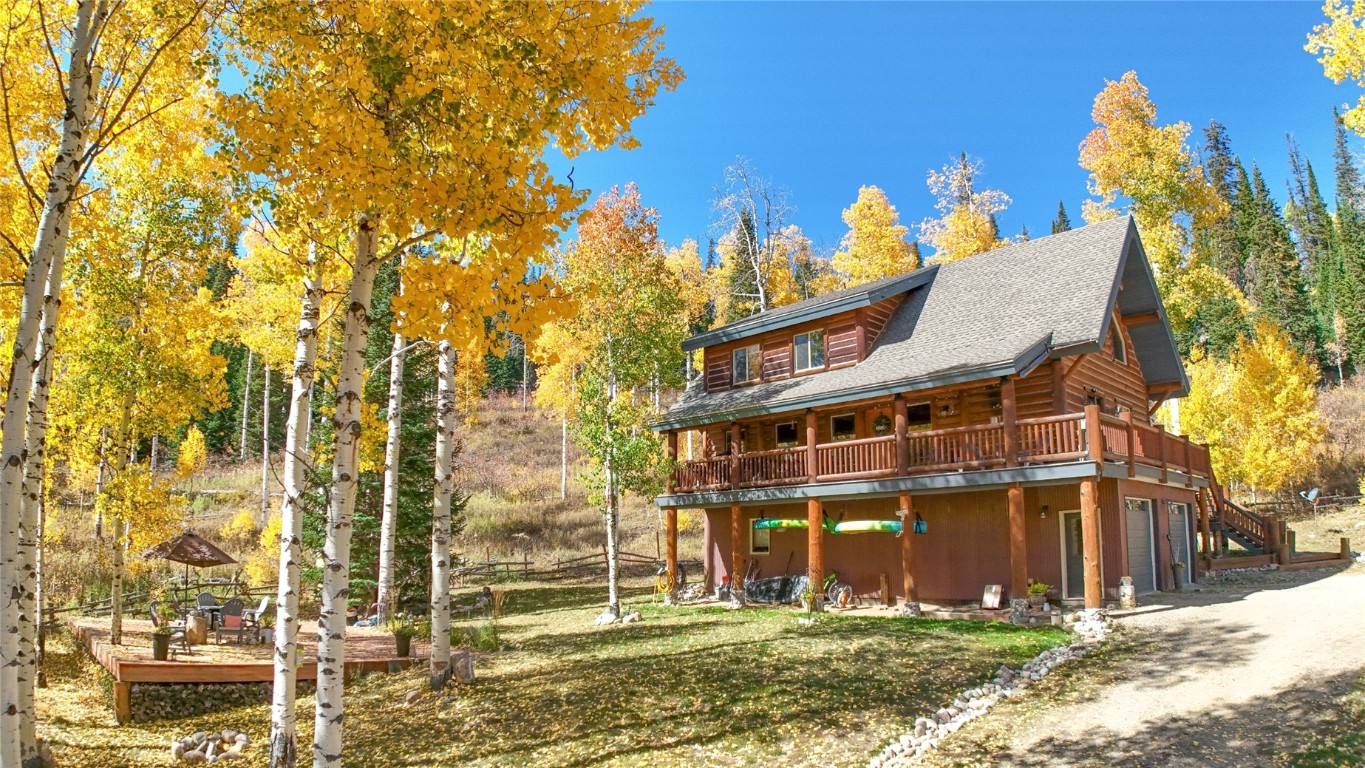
<point x="191" y="549"/>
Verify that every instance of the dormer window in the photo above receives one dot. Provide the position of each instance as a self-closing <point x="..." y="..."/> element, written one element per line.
<point x="748" y="365"/>
<point x="1120" y="349"/>
<point x="810" y="350"/>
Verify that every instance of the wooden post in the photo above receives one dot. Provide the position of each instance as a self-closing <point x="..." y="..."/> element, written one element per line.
<point x="1189" y="468"/>
<point x="1293" y="543"/>
<point x="1018" y="543"/>
<point x="1127" y="417"/>
<point x="815" y="545"/>
<point x="672" y="459"/>
<point x="1009" y="413"/>
<point x="908" y="549"/>
<point x="1090" y="539"/>
<point x="123" y="702"/>
<point x="812" y="456"/>
<point x="1094" y="439"/>
<point x="736" y="546"/>
<point x="671" y="551"/>
<point x="1161" y="449"/>
<point x="1345" y="548"/>
<point x="1205" y="539"/>
<point x="734" y="455"/>
<point x="887" y="599"/>
<point x="902" y="439"/>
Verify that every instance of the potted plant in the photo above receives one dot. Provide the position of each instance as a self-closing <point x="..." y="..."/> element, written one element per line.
<point x="1178" y="571"/>
<point x="403" y="629"/>
<point x="1037" y="593"/>
<point x="267" y="623"/>
<point x="161" y="636"/>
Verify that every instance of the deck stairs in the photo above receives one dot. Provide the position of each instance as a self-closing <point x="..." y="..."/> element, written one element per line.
<point x="1238" y="523"/>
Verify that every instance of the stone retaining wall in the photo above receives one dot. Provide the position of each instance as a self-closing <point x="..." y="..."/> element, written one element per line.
<point x="160" y="701"/>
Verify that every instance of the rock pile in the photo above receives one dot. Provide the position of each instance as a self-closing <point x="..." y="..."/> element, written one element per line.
<point x="1092" y="626"/>
<point x="203" y="747"/>
<point x="608" y="617"/>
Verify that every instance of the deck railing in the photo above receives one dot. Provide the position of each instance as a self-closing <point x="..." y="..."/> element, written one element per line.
<point x="1050" y="439"/>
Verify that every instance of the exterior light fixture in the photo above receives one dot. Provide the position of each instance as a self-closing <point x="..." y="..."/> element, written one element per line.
<point x="1043" y="513"/>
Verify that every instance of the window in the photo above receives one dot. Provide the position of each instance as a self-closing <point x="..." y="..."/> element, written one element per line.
<point x="843" y="427"/>
<point x="748" y="364"/>
<point x="1120" y="350"/>
<point x="918" y="417"/>
<point x="759" y="539"/>
<point x="786" y="434"/>
<point x="810" y="350"/>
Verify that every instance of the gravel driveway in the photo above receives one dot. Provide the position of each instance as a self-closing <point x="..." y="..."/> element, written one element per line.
<point x="1233" y="675"/>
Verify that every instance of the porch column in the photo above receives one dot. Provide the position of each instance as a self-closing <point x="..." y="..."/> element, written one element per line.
<point x="734" y="455"/>
<point x="671" y="534"/>
<point x="812" y="457"/>
<point x="672" y="460"/>
<point x="1205" y="540"/>
<point x="1009" y="414"/>
<point x="736" y="546"/>
<point x="902" y="439"/>
<point x="1090" y="541"/>
<point x="815" y="544"/>
<point x="1161" y="450"/>
<point x="908" y="549"/>
<point x="1018" y="543"/>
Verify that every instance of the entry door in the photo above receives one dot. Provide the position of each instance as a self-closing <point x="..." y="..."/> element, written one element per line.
<point x="1073" y="556"/>
<point x="1181" y="538"/>
<point x="1141" y="556"/>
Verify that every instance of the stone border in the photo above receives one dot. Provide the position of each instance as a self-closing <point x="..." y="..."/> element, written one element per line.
<point x="1093" y="627"/>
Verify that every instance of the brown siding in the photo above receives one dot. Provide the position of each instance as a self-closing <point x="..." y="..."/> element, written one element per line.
<point x="1159" y="495"/>
<point x="878" y="315"/>
<point x="841" y="345"/>
<point x="777" y="359"/>
<point x="718" y="356"/>
<point x="1034" y="393"/>
<point x="718" y="372"/>
<point x="1118" y="384"/>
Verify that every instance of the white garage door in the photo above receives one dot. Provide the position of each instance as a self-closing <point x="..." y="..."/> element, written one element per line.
<point x="1140" y="560"/>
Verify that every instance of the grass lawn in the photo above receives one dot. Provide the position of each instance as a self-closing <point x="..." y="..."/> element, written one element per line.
<point x="686" y="686"/>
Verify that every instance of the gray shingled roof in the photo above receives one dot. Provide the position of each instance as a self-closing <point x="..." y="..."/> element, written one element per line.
<point x="991" y="315"/>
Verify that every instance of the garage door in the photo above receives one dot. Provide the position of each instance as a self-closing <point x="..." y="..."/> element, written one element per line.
<point x="1140" y="565"/>
<point x="1180" y="534"/>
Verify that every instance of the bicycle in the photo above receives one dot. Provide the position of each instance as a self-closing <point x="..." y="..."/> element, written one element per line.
<point x="837" y="593"/>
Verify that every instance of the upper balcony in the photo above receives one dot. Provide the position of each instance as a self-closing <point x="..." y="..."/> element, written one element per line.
<point x="1086" y="436"/>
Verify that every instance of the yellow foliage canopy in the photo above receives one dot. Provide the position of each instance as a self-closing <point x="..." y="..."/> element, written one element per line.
<point x="1258" y="411"/>
<point x="875" y="246"/>
<point x="966" y="225"/>
<point x="1340" y="43"/>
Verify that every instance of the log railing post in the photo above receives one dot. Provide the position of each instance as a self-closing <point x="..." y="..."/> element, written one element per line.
<point x="1205" y="540"/>
<point x="1009" y="414"/>
<point x="902" y="437"/>
<point x="1094" y="439"/>
<point x="736" y="548"/>
<point x="1090" y="540"/>
<point x="1018" y="544"/>
<point x="812" y="456"/>
<point x="1161" y="449"/>
<point x="672" y="460"/>
<point x="671" y="552"/>
<point x="1189" y="468"/>
<point x="1127" y="417"/>
<point x="734" y="455"/>
<point x="815" y="548"/>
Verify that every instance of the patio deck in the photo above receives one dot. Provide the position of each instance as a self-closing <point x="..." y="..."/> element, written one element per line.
<point x="367" y="650"/>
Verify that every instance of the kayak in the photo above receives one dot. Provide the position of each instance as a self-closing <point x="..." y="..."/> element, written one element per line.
<point x="769" y="524"/>
<point x="868" y="526"/>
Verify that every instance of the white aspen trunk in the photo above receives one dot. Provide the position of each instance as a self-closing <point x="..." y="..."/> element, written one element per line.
<point x="440" y="517"/>
<point x="30" y="539"/>
<point x="388" y="524"/>
<point x="613" y="519"/>
<point x="50" y="240"/>
<point x="525" y="384"/>
<point x="99" y="484"/>
<point x="122" y="461"/>
<point x="283" y="715"/>
<point x="265" y="448"/>
<point x="156" y="454"/>
<point x="336" y="573"/>
<point x="246" y="401"/>
<point x="564" y="454"/>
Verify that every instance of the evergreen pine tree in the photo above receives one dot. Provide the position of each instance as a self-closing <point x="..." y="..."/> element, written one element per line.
<point x="1218" y="241"/>
<point x="1278" y="288"/>
<point x="1023" y="234"/>
<point x="915" y="257"/>
<point x="1311" y="223"/>
<point x="1350" y="240"/>
<point x="1063" y="222"/>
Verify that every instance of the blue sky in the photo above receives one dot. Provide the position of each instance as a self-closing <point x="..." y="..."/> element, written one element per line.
<point x="825" y="97"/>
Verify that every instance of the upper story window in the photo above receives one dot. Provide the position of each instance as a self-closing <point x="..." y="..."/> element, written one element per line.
<point x="1120" y="349"/>
<point x="918" y="417"/>
<point x="786" y="434"/>
<point x="810" y="350"/>
<point x="843" y="427"/>
<point x="748" y="364"/>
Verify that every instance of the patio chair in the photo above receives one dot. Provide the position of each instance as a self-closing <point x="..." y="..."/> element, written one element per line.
<point x="178" y="628"/>
<point x="230" y="621"/>
<point x="207" y="606"/>
<point x="251" y="617"/>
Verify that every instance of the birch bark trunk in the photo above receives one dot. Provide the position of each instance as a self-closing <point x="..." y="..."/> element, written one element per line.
<point x="440" y="517"/>
<point x="388" y="524"/>
<point x="564" y="454"/>
<point x="283" y="714"/>
<point x="330" y="710"/>
<point x="49" y="241"/>
<point x="613" y="517"/>
<point x="99" y="484"/>
<point x="265" y="448"/>
<point x="246" y="401"/>
<point x="122" y="442"/>
<point x="30" y="540"/>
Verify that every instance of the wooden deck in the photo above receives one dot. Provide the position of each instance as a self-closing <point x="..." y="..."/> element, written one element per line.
<point x="367" y="650"/>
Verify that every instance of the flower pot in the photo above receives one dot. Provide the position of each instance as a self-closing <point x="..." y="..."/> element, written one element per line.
<point x="1036" y="600"/>
<point x="268" y="635"/>
<point x="161" y="647"/>
<point x="404" y="644"/>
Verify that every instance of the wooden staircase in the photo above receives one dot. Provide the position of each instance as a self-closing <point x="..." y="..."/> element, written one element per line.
<point x="1248" y="528"/>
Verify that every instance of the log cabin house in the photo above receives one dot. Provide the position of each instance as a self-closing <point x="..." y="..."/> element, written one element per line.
<point x="1004" y="400"/>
